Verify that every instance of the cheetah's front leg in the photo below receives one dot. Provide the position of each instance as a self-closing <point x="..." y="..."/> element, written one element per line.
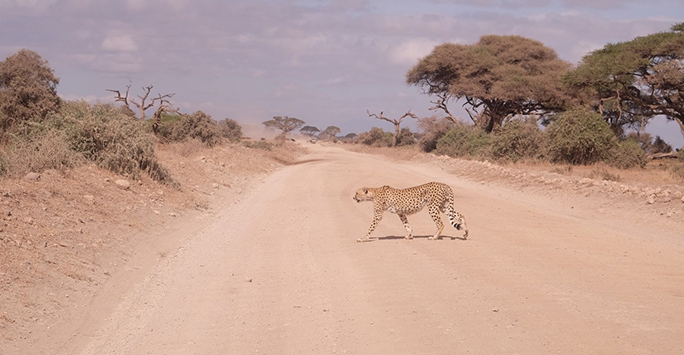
<point x="409" y="232"/>
<point x="376" y="219"/>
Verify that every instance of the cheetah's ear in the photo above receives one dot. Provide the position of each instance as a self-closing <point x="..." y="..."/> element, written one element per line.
<point x="365" y="191"/>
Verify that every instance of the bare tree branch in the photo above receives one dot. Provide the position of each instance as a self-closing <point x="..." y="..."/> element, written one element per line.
<point x="441" y="104"/>
<point x="163" y="102"/>
<point x="141" y="104"/>
<point x="395" y="122"/>
<point x="165" y="106"/>
<point x="123" y="99"/>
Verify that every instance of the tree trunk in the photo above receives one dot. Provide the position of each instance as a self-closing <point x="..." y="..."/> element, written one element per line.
<point x="397" y="130"/>
<point x="680" y="122"/>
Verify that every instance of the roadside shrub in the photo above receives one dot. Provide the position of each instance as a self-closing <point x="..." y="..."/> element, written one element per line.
<point x="4" y="163"/>
<point x="649" y="144"/>
<point x="465" y="141"/>
<point x="677" y="171"/>
<point x="645" y="140"/>
<point x="579" y="136"/>
<point x="263" y="145"/>
<point x="432" y="128"/>
<point x="659" y="146"/>
<point x="198" y="125"/>
<point x="406" y="137"/>
<point x="49" y="149"/>
<point x="627" y="154"/>
<point x="376" y="137"/>
<point x="518" y="139"/>
<point x="166" y="128"/>
<point x="603" y="174"/>
<point x="230" y="129"/>
<point x="28" y="90"/>
<point x="112" y="140"/>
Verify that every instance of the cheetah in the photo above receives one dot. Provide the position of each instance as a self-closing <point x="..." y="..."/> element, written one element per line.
<point x="437" y="196"/>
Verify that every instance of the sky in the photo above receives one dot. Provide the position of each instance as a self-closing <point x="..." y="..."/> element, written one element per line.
<point x="325" y="62"/>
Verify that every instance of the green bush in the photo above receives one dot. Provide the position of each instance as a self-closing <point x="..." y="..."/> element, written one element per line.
<point x="465" y="141"/>
<point x="627" y="154"/>
<point x="230" y="129"/>
<point x="376" y="137"/>
<point x="406" y="137"/>
<point x="649" y="144"/>
<point x="579" y="136"/>
<point x="518" y="139"/>
<point x="199" y="125"/>
<point x="432" y="129"/>
<point x="166" y="128"/>
<point x="112" y="140"/>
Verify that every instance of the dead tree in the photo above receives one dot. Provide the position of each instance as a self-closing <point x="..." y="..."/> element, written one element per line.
<point x="395" y="122"/>
<point x="142" y="105"/>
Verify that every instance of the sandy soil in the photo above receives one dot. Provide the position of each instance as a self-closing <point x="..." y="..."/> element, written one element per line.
<point x="553" y="264"/>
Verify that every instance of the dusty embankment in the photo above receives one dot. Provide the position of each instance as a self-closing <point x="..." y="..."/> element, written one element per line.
<point x="67" y="234"/>
<point x="553" y="264"/>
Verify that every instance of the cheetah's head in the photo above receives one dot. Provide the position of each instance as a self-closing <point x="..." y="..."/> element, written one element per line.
<point x="364" y="194"/>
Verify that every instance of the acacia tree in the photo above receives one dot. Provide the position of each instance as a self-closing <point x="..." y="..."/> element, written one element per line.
<point x="497" y="78"/>
<point x="396" y="122"/>
<point x="330" y="132"/>
<point x="310" y="131"/>
<point x="630" y="82"/>
<point x="28" y="88"/>
<point x="284" y="123"/>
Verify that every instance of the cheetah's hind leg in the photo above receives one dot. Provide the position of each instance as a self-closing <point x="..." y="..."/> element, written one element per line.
<point x="434" y="213"/>
<point x="461" y="225"/>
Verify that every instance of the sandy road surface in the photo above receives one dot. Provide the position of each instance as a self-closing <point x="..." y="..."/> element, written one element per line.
<point x="281" y="273"/>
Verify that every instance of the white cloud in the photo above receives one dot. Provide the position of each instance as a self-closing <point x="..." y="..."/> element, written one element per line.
<point x="84" y="58"/>
<point x="119" y="42"/>
<point x="135" y="5"/>
<point x="139" y="5"/>
<point x="409" y="52"/>
<point x="286" y="91"/>
<point x="118" y="63"/>
<point x="259" y="73"/>
<point x="38" y="4"/>
<point x="340" y="80"/>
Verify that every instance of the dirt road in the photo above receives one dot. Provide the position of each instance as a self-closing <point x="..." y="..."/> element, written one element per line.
<point x="281" y="273"/>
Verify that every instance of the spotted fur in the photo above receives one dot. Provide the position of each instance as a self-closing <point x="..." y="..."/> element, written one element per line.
<point x="437" y="196"/>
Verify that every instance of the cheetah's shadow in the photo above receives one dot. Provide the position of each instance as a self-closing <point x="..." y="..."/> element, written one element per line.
<point x="399" y="237"/>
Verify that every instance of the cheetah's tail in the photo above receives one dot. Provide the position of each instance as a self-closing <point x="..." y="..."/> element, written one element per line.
<point x="457" y="220"/>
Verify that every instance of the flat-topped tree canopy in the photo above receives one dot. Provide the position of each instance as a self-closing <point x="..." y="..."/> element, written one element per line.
<point x="498" y="77"/>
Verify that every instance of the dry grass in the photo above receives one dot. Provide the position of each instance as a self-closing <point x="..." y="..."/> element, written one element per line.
<point x="49" y="150"/>
<point x="563" y="170"/>
<point x="602" y="173"/>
